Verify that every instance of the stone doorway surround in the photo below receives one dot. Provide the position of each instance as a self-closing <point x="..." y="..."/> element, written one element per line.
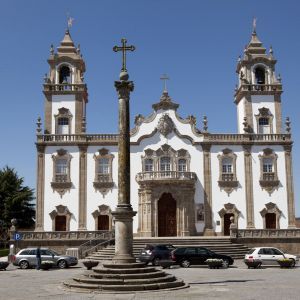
<point x="149" y="195"/>
<point x="103" y="210"/>
<point x="229" y="208"/>
<point x="61" y="210"/>
<point x="271" y="208"/>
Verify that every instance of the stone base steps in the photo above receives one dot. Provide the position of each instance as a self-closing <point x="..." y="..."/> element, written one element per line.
<point x="222" y="245"/>
<point x="122" y="278"/>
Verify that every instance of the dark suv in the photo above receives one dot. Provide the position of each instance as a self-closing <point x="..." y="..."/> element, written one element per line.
<point x="155" y="253"/>
<point x="186" y="256"/>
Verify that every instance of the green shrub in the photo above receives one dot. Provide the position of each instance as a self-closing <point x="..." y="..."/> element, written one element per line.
<point x="4" y="252"/>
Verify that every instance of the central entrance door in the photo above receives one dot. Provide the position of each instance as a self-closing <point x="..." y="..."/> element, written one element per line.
<point x="167" y="225"/>
<point x="227" y="223"/>
<point x="103" y="222"/>
<point x="60" y="223"/>
<point x="270" y="221"/>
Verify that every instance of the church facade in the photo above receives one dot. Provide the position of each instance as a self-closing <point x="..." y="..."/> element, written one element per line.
<point x="185" y="181"/>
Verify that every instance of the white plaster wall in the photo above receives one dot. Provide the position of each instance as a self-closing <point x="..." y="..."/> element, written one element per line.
<point x="241" y="115"/>
<point x="94" y="197"/>
<point x="66" y="101"/>
<point x="260" y="101"/>
<point x="262" y="197"/>
<point x="219" y="196"/>
<point x="52" y="198"/>
<point x="147" y="128"/>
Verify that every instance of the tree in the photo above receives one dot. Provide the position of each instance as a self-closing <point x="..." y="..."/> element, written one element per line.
<point x="15" y="200"/>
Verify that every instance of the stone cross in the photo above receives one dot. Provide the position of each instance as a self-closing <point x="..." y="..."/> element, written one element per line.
<point x="165" y="78"/>
<point x="124" y="48"/>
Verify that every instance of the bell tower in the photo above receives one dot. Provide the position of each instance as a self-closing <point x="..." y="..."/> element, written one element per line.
<point x="64" y="89"/>
<point x="258" y="93"/>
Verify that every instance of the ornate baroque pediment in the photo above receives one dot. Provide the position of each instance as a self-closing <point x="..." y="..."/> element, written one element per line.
<point x="165" y="125"/>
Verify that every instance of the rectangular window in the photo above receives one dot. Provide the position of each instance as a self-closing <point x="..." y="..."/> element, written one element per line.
<point x="165" y="164"/>
<point x="268" y="165"/>
<point x="148" y="165"/>
<point x="61" y="166"/>
<point x="103" y="166"/>
<point x="182" y="165"/>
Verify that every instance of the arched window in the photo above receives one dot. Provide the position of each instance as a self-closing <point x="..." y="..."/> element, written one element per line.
<point x="165" y="163"/>
<point x="148" y="165"/>
<point x="182" y="165"/>
<point x="260" y="75"/>
<point x="64" y="75"/>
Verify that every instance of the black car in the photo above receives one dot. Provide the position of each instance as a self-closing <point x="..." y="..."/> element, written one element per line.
<point x="155" y="253"/>
<point x="186" y="256"/>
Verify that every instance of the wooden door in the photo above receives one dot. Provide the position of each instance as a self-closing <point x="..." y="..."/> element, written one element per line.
<point x="167" y="224"/>
<point x="103" y="222"/>
<point x="227" y="223"/>
<point x="270" y="221"/>
<point x="60" y="223"/>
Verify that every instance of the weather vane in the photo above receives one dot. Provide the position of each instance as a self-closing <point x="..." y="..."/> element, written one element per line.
<point x="70" y="21"/>
<point x="254" y="24"/>
<point x="165" y="78"/>
<point x="124" y="48"/>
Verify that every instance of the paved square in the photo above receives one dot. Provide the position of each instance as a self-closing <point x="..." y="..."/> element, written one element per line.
<point x="237" y="282"/>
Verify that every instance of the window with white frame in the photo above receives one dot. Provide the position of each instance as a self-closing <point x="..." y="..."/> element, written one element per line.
<point x="182" y="165"/>
<point x="165" y="163"/>
<point x="63" y="125"/>
<point x="103" y="169"/>
<point x="227" y="169"/>
<point x="148" y="165"/>
<point x="263" y="126"/>
<point x="268" y="163"/>
<point x="63" y="121"/>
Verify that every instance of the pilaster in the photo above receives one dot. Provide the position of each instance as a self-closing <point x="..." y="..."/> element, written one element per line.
<point x="249" y="186"/>
<point x="277" y="104"/>
<point x="289" y="186"/>
<point x="208" y="229"/>
<point x="39" y="224"/>
<point x="82" y="194"/>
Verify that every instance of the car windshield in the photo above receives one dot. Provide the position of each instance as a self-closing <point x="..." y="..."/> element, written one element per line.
<point x="251" y="251"/>
<point x="55" y="253"/>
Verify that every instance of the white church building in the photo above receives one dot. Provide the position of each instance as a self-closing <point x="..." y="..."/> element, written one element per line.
<point x="185" y="181"/>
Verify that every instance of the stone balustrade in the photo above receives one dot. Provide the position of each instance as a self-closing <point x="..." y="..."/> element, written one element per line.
<point x="268" y="233"/>
<point x="166" y="175"/>
<point x="259" y="88"/>
<point x="67" y="138"/>
<point x="240" y="138"/>
<point x="64" y="87"/>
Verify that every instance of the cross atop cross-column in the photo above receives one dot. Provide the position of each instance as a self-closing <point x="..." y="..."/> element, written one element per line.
<point x="124" y="48"/>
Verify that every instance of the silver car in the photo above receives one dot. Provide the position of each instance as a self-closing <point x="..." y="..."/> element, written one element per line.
<point x="26" y="258"/>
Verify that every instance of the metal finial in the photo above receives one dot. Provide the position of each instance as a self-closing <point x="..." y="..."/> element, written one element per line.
<point x="70" y="21"/>
<point x="78" y="49"/>
<point x="51" y="49"/>
<point x="279" y="78"/>
<point x="205" y="121"/>
<point x="254" y="25"/>
<point x="39" y="124"/>
<point x="288" y="125"/>
<point x="271" y="50"/>
<point x="123" y="48"/>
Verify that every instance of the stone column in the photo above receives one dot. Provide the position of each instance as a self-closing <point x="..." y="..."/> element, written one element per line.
<point x="123" y="214"/>
<point x="249" y="186"/>
<point x="40" y="184"/>
<point x="208" y="229"/>
<point x="289" y="186"/>
<point x="82" y="187"/>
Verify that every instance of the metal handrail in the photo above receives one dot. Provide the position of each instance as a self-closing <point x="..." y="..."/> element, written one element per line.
<point x="95" y="248"/>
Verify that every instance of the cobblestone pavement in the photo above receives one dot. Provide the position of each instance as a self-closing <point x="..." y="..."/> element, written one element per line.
<point x="233" y="283"/>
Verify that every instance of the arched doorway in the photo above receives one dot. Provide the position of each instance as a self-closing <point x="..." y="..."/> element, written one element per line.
<point x="167" y="225"/>
<point x="103" y="222"/>
<point x="227" y="223"/>
<point x="60" y="223"/>
<point x="270" y="221"/>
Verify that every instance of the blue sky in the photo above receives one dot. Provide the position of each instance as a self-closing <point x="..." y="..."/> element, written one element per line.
<point x="195" y="42"/>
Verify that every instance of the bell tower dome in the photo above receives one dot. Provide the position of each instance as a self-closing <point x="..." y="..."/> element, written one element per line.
<point x="64" y="89"/>
<point x="258" y="93"/>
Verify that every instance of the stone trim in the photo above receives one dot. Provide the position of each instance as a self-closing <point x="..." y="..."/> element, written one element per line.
<point x="103" y="210"/>
<point x="61" y="186"/>
<point x="165" y="125"/>
<point x="82" y="189"/>
<point x="208" y="229"/>
<point x="103" y="182"/>
<point x="248" y="113"/>
<point x="230" y="183"/>
<point x="278" y="114"/>
<point x="271" y="208"/>
<point x="264" y="113"/>
<point x="229" y="208"/>
<point x="63" y="113"/>
<point x="249" y="186"/>
<point x="290" y="186"/>
<point x="40" y="185"/>
<point x="61" y="210"/>
<point x="266" y="182"/>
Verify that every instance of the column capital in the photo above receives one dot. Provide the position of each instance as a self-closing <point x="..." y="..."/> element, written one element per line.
<point x="40" y="148"/>
<point x="288" y="148"/>
<point x="124" y="88"/>
<point x="247" y="149"/>
<point x="206" y="147"/>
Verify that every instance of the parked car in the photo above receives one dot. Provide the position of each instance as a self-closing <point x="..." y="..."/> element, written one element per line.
<point x="26" y="258"/>
<point x="269" y="255"/>
<point x="154" y="253"/>
<point x="186" y="256"/>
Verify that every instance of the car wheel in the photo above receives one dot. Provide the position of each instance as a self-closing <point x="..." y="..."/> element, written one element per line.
<point x="24" y="264"/>
<point x="225" y="263"/>
<point x="185" y="263"/>
<point x="293" y="264"/>
<point x="155" y="261"/>
<point x="62" y="264"/>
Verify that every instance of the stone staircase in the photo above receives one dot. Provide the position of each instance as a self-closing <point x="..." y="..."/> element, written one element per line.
<point x="222" y="245"/>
